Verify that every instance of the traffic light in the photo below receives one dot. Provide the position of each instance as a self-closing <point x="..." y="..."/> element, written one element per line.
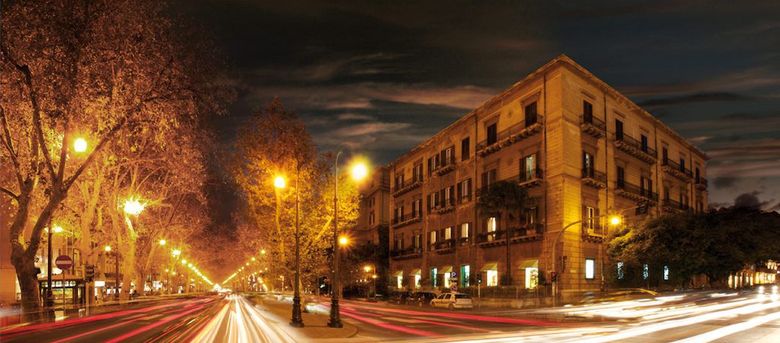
<point x="89" y="272"/>
<point x="479" y="278"/>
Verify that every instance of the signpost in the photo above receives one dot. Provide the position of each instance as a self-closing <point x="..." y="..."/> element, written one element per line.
<point x="64" y="262"/>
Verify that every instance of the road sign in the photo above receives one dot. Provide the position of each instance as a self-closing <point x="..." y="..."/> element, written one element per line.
<point x="63" y="262"/>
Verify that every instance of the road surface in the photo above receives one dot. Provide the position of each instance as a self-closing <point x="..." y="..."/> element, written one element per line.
<point x="691" y="317"/>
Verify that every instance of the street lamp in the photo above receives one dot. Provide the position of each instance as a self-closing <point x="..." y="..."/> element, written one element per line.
<point x="280" y="183"/>
<point x="613" y="220"/>
<point x="359" y="171"/>
<point x="133" y="207"/>
<point x="162" y="242"/>
<point x="80" y="145"/>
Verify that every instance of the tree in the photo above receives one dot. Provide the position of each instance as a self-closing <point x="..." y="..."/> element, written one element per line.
<point x="91" y="68"/>
<point x="716" y="244"/>
<point x="501" y="199"/>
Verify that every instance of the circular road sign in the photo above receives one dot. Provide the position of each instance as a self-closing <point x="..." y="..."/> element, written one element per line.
<point x="63" y="262"/>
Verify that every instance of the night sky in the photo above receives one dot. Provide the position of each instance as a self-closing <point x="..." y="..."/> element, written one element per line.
<point x="380" y="77"/>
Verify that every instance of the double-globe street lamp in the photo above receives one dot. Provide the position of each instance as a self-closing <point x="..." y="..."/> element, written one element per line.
<point x="280" y="183"/>
<point x="359" y="172"/>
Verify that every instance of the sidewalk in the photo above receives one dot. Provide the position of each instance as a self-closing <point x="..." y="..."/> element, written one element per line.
<point x="315" y="322"/>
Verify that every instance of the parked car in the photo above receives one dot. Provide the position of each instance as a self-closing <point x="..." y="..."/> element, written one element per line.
<point x="422" y="298"/>
<point x="400" y="297"/>
<point x="453" y="301"/>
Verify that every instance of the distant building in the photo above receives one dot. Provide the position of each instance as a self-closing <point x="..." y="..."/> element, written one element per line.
<point x="369" y="237"/>
<point x="580" y="148"/>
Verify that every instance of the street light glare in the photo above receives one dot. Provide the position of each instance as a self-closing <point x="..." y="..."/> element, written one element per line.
<point x="133" y="207"/>
<point x="176" y="252"/>
<point x="80" y="145"/>
<point x="359" y="171"/>
<point x="107" y="248"/>
<point x="615" y="220"/>
<point x="280" y="182"/>
<point x="343" y="240"/>
<point x="57" y="229"/>
<point x="162" y="242"/>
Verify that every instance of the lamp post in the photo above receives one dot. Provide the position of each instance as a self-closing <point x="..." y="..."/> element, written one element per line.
<point x="359" y="171"/>
<point x="614" y="220"/>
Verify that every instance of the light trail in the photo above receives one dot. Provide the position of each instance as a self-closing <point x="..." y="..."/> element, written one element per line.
<point x="732" y="329"/>
<point x="672" y="324"/>
<point x="242" y="323"/>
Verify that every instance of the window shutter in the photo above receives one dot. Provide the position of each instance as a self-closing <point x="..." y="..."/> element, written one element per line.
<point x="460" y="191"/>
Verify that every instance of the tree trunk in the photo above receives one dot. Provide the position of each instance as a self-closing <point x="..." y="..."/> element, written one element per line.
<point x="28" y="282"/>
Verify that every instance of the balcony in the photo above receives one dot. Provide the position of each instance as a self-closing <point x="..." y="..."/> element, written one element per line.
<point x="512" y="135"/>
<point x="672" y="206"/>
<point x="492" y="238"/>
<point x="527" y="232"/>
<point x="593" y="126"/>
<point x="445" y="168"/>
<point x="675" y="169"/>
<point x="445" y="246"/>
<point x="634" y="192"/>
<point x="701" y="184"/>
<point x="406" y="187"/>
<point x="594" y="178"/>
<point x="593" y="231"/>
<point x="404" y="221"/>
<point x="444" y="209"/>
<point x="635" y="148"/>
<point x="410" y="252"/>
<point x="530" y="178"/>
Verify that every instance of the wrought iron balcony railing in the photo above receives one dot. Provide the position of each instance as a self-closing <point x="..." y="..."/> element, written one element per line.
<point x="594" y="178"/>
<point x="635" y="148"/>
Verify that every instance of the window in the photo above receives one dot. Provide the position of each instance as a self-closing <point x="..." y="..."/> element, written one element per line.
<point x="590" y="268"/>
<point x="621" y="177"/>
<point x="620" y="272"/>
<point x="464" y="190"/>
<point x="465" y="273"/>
<point x="590" y="218"/>
<point x="666" y="273"/>
<point x="418" y="241"/>
<point x="448" y="233"/>
<point x="464" y="230"/>
<point x="618" y="129"/>
<point x="434" y="279"/>
<point x="682" y="164"/>
<point x="528" y="168"/>
<point x="449" y="156"/>
<point x="492" y="277"/>
<point x="588" y="165"/>
<point x="531" y="215"/>
<point x="437" y="161"/>
<point x="446" y="280"/>
<point x="418" y="204"/>
<point x="492" y="224"/>
<point x="530" y="114"/>
<point x="643" y="139"/>
<point x="436" y="200"/>
<point x="433" y="238"/>
<point x="465" y="149"/>
<point x="587" y="112"/>
<point x="531" y="277"/>
<point x="698" y="175"/>
<point x="447" y="196"/>
<point x="492" y="133"/>
<point x="371" y="218"/>
<point x="417" y="279"/>
<point x="430" y="166"/>
<point x="399" y="281"/>
<point x="666" y="192"/>
<point x="488" y="178"/>
<point x="417" y="174"/>
<point x="664" y="154"/>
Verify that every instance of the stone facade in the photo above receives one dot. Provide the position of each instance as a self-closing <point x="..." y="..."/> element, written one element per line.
<point x="580" y="148"/>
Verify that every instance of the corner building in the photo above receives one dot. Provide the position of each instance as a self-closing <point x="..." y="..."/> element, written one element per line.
<point x="580" y="148"/>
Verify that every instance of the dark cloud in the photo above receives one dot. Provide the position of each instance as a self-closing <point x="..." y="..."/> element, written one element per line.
<point x="724" y="181"/>
<point x="692" y="98"/>
<point x="751" y="201"/>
